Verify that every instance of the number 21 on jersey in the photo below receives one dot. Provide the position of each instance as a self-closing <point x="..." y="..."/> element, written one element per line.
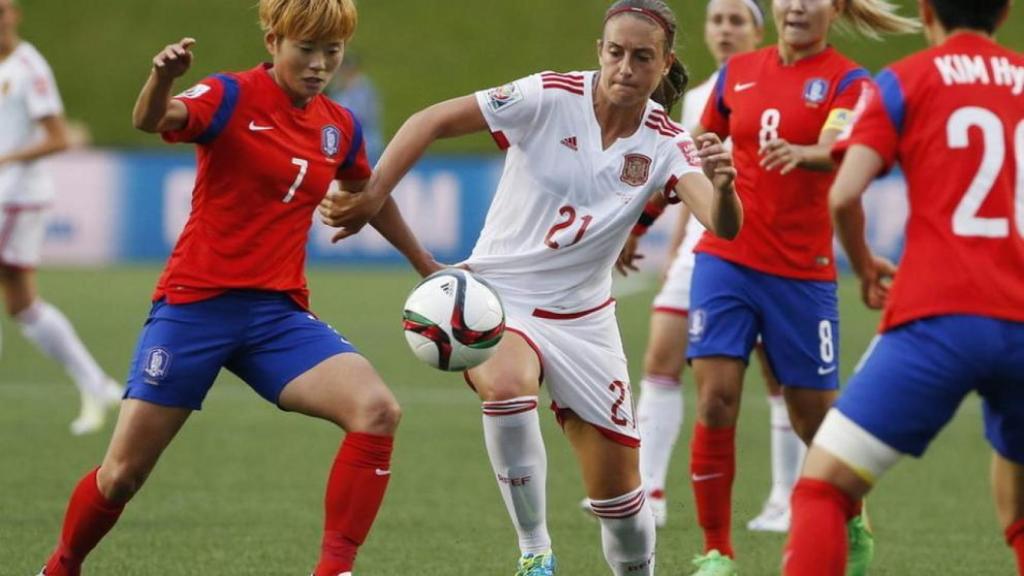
<point x="566" y="219"/>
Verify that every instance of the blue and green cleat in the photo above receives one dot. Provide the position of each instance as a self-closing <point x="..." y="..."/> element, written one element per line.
<point x="714" y="564"/>
<point x="542" y="564"/>
<point x="861" y="547"/>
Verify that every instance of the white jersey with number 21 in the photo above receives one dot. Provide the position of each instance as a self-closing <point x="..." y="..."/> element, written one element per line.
<point x="565" y="205"/>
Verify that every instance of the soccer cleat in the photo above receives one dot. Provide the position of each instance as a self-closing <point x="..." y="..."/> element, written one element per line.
<point x="542" y="564"/>
<point x="774" y="517"/>
<point x="861" y="547"/>
<point x="714" y="564"/>
<point x="93" y="414"/>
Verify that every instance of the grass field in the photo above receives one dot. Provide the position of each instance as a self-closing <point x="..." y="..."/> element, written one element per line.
<point x="239" y="492"/>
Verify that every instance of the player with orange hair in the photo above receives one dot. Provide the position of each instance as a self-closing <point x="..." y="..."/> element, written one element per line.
<point x="234" y="292"/>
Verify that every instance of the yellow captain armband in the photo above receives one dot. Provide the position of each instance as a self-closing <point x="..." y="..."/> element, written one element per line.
<point x="839" y="119"/>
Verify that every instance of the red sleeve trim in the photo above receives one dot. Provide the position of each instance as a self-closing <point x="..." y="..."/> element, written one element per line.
<point x="669" y="192"/>
<point x="501" y="140"/>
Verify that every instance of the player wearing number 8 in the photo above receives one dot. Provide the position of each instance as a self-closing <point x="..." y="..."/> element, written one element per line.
<point x="783" y="106"/>
<point x="953" y="117"/>
<point x="234" y="292"/>
<point x="585" y="151"/>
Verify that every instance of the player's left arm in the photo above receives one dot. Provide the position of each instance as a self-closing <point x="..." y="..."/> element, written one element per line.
<point x="711" y="196"/>
<point x="860" y="166"/>
<point x="55" y="139"/>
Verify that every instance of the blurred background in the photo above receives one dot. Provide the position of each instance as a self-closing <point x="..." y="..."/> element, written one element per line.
<point x="239" y="491"/>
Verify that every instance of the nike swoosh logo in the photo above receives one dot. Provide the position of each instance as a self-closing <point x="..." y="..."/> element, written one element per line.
<point x="703" y="477"/>
<point x="257" y="128"/>
<point x="740" y="87"/>
<point x="380" y="472"/>
<point x="823" y="371"/>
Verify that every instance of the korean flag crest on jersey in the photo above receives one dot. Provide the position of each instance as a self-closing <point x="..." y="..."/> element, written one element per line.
<point x="158" y="361"/>
<point x="330" y="140"/>
<point x="635" y="169"/>
<point x="815" y="91"/>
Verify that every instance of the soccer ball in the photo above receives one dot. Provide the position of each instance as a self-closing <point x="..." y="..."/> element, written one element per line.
<point x="453" y="320"/>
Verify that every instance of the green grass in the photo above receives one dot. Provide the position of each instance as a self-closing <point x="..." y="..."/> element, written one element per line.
<point x="418" y="52"/>
<point x="239" y="491"/>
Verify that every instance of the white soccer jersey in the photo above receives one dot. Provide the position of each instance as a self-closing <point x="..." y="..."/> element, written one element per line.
<point x="28" y="93"/>
<point x="564" y="206"/>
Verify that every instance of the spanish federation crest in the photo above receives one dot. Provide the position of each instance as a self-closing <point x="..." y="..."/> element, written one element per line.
<point x="815" y="91"/>
<point x="330" y="140"/>
<point x="158" y="361"/>
<point x="635" y="169"/>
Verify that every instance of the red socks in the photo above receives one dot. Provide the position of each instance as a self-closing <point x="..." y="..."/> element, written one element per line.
<point x="355" y="491"/>
<point x="712" y="468"/>
<point x="88" y="519"/>
<point x="1015" y="539"/>
<point x="817" y="535"/>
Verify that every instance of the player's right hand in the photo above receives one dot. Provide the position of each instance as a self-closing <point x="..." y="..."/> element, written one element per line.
<point x="174" y="60"/>
<point x="349" y="211"/>
<point x="628" y="256"/>
<point x="875" y="282"/>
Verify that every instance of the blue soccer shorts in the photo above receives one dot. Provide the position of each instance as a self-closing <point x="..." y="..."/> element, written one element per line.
<point x="265" y="338"/>
<point x="914" y="377"/>
<point x="798" y="320"/>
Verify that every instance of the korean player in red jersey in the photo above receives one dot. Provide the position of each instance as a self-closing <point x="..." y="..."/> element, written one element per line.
<point x="783" y="106"/>
<point x="953" y="117"/>
<point x="585" y="151"/>
<point x="730" y="27"/>
<point x="234" y="293"/>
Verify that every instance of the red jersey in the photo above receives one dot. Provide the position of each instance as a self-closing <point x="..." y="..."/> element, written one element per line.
<point x="953" y="117"/>
<point x="787" y="230"/>
<point x="263" y="167"/>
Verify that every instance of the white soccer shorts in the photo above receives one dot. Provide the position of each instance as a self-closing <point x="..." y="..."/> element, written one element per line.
<point x="21" y="235"/>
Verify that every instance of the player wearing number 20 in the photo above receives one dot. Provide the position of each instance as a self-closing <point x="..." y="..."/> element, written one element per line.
<point x="953" y="117"/>
<point x="234" y="292"/>
<point x="783" y="106"/>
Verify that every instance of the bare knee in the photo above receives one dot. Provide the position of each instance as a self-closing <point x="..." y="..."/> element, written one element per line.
<point x="505" y="386"/>
<point x="807" y="410"/>
<point x="665" y="363"/>
<point x="718" y="406"/>
<point x="120" y="481"/>
<point x="377" y="415"/>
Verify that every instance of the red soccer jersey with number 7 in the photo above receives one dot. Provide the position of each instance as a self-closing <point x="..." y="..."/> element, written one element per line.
<point x="263" y="167"/>
<point x="953" y="117"/>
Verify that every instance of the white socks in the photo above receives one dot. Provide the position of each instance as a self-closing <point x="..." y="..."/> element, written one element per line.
<point x="48" y="328"/>
<point x="659" y="413"/>
<point x="788" y="452"/>
<point x="627" y="533"/>
<point x="516" y="450"/>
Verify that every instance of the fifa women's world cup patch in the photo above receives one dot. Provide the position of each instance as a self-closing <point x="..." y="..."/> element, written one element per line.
<point x="503" y="96"/>
<point x="636" y="168"/>
<point x="689" y="150"/>
<point x="815" y="91"/>
<point x="330" y="140"/>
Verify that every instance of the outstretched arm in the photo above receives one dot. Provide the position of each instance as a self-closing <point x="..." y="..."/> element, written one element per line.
<point x="154" y="110"/>
<point x="393" y="228"/>
<point x="451" y="118"/>
<point x="711" y="196"/>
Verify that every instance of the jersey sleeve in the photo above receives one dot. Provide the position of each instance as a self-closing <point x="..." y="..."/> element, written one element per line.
<point x="210" y="104"/>
<point x="878" y="120"/>
<point x="510" y="110"/>
<point x="683" y="160"/>
<point x="43" y="98"/>
<point x="716" y="111"/>
<point x="848" y="93"/>
<point x="356" y="165"/>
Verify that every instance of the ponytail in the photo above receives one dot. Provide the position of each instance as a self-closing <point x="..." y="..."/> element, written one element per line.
<point x="872" y="18"/>
<point x="672" y="86"/>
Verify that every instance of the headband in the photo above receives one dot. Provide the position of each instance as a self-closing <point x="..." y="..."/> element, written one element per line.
<point x="755" y="10"/>
<point x="670" y="32"/>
